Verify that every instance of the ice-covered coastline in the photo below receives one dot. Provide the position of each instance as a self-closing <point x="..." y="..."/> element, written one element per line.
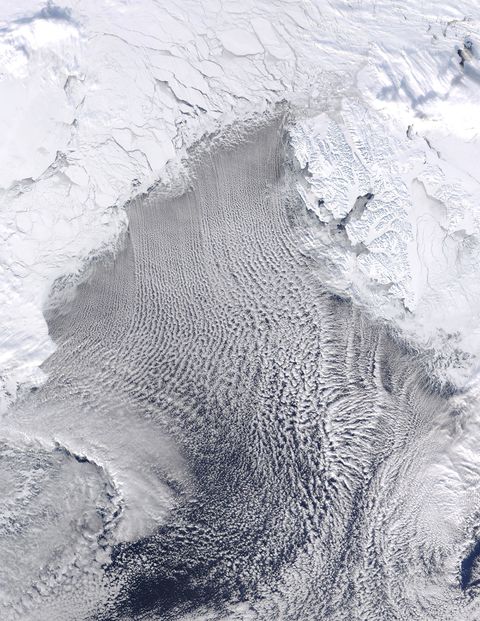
<point x="98" y="100"/>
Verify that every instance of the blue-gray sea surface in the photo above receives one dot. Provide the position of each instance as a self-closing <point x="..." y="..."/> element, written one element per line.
<point x="219" y="436"/>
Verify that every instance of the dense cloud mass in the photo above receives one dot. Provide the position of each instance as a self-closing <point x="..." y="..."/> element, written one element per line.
<point x="221" y="437"/>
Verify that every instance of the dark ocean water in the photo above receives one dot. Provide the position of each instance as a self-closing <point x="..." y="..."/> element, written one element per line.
<point x="254" y="431"/>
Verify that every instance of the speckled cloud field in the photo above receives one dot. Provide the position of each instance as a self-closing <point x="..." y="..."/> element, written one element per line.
<point x="240" y="303"/>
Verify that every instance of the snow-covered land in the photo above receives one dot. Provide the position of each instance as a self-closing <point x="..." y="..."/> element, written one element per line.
<point x="100" y="99"/>
<point x="295" y="430"/>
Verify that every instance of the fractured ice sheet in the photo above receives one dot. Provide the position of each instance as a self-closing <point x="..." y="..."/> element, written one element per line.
<point x="99" y="99"/>
<point x="233" y="441"/>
